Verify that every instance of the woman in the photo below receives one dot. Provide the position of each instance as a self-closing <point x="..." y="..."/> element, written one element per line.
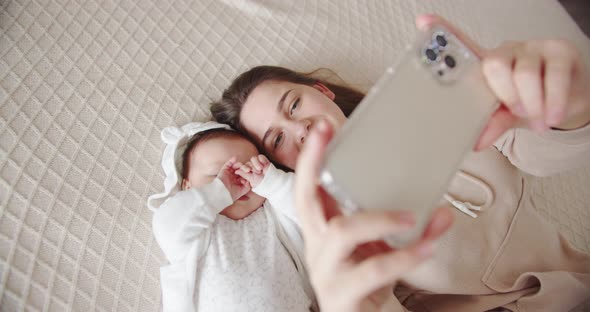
<point x="508" y="257"/>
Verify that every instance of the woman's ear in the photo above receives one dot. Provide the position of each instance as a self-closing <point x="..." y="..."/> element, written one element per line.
<point x="186" y="184"/>
<point x="323" y="89"/>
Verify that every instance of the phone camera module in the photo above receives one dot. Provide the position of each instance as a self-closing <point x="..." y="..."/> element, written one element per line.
<point x="431" y="55"/>
<point x="450" y="61"/>
<point x="441" y="40"/>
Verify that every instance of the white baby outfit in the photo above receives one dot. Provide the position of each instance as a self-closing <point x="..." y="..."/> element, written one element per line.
<point x="220" y="264"/>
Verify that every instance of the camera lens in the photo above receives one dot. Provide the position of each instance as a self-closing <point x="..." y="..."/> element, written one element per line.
<point x="450" y="61"/>
<point x="431" y="55"/>
<point x="441" y="40"/>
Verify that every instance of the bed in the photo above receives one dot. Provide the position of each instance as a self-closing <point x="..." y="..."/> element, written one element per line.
<point x="86" y="87"/>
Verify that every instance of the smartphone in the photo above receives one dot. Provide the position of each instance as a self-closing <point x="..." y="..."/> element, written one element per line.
<point x="404" y="142"/>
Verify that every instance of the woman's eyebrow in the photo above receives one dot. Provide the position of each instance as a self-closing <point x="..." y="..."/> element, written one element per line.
<point x="282" y="100"/>
<point x="266" y="135"/>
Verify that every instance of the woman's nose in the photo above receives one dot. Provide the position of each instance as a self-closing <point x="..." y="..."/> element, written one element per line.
<point x="303" y="128"/>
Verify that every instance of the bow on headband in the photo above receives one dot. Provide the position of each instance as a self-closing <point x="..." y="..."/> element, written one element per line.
<point x="176" y="140"/>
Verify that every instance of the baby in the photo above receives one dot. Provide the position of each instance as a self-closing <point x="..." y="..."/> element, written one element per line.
<point x="228" y="228"/>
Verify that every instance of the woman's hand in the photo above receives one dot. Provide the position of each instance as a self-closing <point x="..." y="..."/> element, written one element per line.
<point x="349" y="269"/>
<point x="541" y="83"/>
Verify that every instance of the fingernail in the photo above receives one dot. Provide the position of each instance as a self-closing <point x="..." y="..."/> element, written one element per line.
<point x="425" y="250"/>
<point x="539" y="125"/>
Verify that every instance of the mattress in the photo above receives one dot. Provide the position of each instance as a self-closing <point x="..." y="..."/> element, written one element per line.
<point x="86" y="87"/>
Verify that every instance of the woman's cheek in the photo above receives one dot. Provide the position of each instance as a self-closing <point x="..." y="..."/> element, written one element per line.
<point x="288" y="158"/>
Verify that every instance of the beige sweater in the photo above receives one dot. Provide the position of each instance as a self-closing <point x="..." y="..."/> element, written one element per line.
<point x="509" y="256"/>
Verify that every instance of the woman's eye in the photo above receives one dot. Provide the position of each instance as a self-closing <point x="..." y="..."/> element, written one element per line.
<point x="294" y="106"/>
<point x="278" y="140"/>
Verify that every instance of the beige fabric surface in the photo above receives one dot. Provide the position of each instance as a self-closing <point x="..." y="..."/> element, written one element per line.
<point x="86" y="87"/>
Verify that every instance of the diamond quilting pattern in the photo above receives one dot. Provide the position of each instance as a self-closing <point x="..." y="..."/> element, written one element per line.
<point x="86" y="86"/>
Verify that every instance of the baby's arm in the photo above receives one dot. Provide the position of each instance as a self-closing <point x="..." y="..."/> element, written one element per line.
<point x="274" y="184"/>
<point x="182" y="220"/>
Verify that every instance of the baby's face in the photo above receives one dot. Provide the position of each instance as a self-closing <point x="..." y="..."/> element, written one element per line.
<point x="206" y="161"/>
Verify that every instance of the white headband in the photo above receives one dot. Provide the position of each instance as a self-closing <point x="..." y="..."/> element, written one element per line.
<point x="176" y="140"/>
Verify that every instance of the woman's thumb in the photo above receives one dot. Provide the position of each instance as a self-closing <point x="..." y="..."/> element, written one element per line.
<point x="306" y="179"/>
<point x="500" y="122"/>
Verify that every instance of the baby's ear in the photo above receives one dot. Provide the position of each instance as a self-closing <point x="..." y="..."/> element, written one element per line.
<point x="186" y="184"/>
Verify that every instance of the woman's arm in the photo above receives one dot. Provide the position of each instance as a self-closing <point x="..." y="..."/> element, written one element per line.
<point x="180" y="222"/>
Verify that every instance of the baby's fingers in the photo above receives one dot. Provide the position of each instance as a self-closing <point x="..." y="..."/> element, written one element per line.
<point x="246" y="168"/>
<point x="263" y="160"/>
<point x="237" y="165"/>
<point x="243" y="174"/>
<point x="256" y="164"/>
<point x="229" y="164"/>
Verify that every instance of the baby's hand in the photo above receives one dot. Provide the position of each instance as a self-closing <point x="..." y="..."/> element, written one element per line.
<point x="254" y="170"/>
<point x="235" y="184"/>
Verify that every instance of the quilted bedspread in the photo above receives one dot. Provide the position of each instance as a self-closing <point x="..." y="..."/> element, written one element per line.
<point x="86" y="87"/>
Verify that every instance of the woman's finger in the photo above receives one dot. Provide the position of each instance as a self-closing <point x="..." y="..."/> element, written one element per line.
<point x="497" y="67"/>
<point x="427" y="21"/>
<point x="385" y="269"/>
<point x="345" y="233"/>
<point x="557" y="86"/>
<point x="500" y="122"/>
<point x="440" y="221"/>
<point x="529" y="85"/>
<point x="560" y="58"/>
<point x="309" y="205"/>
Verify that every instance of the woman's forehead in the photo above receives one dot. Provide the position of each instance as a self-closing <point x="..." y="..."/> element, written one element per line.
<point x="261" y="106"/>
<point x="271" y="90"/>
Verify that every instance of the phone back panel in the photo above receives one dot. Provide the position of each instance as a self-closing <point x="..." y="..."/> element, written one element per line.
<point x="406" y="139"/>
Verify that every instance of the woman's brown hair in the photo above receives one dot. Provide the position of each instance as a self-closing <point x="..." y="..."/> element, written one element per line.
<point x="228" y="109"/>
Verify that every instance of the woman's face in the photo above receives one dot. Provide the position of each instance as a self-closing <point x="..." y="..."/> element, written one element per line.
<point x="279" y="115"/>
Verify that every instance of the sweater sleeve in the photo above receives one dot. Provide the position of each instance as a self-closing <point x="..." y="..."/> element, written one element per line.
<point x="548" y="153"/>
<point x="278" y="188"/>
<point x="182" y="220"/>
